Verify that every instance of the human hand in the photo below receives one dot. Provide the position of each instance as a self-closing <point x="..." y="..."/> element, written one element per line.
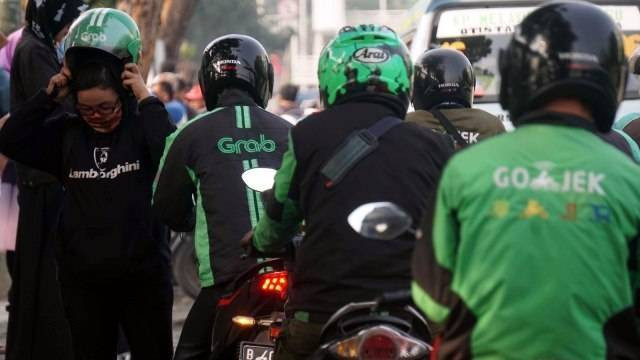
<point x="132" y="79"/>
<point x="246" y="241"/>
<point x="58" y="87"/>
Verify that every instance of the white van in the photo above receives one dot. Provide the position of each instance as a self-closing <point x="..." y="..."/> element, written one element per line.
<point x="480" y="28"/>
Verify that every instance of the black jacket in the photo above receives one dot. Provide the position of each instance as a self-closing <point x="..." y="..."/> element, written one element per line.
<point x="106" y="228"/>
<point x="205" y="160"/>
<point x="34" y="63"/>
<point x="335" y="265"/>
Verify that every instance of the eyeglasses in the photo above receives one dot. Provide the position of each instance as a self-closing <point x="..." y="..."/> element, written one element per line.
<point x="103" y="109"/>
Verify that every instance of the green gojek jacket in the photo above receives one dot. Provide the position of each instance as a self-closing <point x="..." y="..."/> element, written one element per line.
<point x="533" y="249"/>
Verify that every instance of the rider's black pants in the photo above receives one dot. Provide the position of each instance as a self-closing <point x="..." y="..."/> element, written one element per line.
<point x="298" y="340"/>
<point x="141" y="304"/>
<point x="195" y="339"/>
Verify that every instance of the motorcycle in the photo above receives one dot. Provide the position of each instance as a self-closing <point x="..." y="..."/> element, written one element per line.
<point x="389" y="327"/>
<point x="249" y="318"/>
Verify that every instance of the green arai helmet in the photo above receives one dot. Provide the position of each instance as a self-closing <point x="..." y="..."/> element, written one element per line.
<point x="109" y="30"/>
<point x="365" y="59"/>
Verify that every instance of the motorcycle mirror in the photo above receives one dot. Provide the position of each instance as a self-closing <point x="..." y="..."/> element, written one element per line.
<point x="259" y="179"/>
<point x="379" y="220"/>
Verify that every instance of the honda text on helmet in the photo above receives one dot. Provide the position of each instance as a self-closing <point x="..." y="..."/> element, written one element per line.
<point x="238" y="61"/>
<point x="443" y="77"/>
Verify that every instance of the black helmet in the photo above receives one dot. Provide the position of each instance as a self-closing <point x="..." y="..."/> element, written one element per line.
<point x="563" y="50"/>
<point x="443" y="77"/>
<point x="236" y="61"/>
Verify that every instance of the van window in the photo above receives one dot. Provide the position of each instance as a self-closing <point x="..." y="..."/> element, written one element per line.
<point x="481" y="32"/>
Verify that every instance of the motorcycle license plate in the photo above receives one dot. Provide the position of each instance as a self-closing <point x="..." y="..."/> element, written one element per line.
<point x="252" y="351"/>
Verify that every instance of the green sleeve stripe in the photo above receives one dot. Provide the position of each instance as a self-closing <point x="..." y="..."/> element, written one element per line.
<point x="434" y="311"/>
<point x="202" y="240"/>
<point x="192" y="175"/>
<point x="251" y="198"/>
<point x="258" y="196"/>
<point x="285" y="173"/>
<point x="239" y="117"/>
<point x="201" y="236"/>
<point x="247" y="117"/>
<point x="172" y="137"/>
<point x="260" y="204"/>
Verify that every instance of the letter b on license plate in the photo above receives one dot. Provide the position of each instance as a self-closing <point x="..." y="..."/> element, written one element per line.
<point x="251" y="351"/>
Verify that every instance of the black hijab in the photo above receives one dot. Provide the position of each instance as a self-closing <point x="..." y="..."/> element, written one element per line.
<point x="45" y="18"/>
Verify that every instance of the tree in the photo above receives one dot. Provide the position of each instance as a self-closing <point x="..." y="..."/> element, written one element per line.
<point x="174" y="15"/>
<point x="157" y="19"/>
<point x="101" y="3"/>
<point x="477" y="48"/>
<point x="10" y="15"/>
<point x="199" y="21"/>
<point x="146" y="13"/>
<point x="215" y="18"/>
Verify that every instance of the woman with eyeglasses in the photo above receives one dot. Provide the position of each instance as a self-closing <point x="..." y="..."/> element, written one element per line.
<point x="113" y="256"/>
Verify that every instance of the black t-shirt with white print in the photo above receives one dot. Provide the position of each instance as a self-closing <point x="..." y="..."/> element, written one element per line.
<point x="106" y="228"/>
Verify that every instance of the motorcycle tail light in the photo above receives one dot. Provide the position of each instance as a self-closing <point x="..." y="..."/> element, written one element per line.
<point x="274" y="332"/>
<point x="378" y="346"/>
<point x="380" y="343"/>
<point x="224" y="301"/>
<point x="274" y="282"/>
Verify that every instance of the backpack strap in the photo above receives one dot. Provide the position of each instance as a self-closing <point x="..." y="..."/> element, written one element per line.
<point x="358" y="145"/>
<point x="449" y="128"/>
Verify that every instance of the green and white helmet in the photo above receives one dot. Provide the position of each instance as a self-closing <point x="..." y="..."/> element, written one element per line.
<point x="365" y="59"/>
<point x="110" y="30"/>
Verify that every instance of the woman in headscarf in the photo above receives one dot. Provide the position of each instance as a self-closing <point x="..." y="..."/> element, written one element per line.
<point x="37" y="327"/>
<point x="38" y="55"/>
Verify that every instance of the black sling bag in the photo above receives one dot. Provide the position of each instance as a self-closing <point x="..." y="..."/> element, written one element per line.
<point x="449" y="128"/>
<point x="359" y="144"/>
